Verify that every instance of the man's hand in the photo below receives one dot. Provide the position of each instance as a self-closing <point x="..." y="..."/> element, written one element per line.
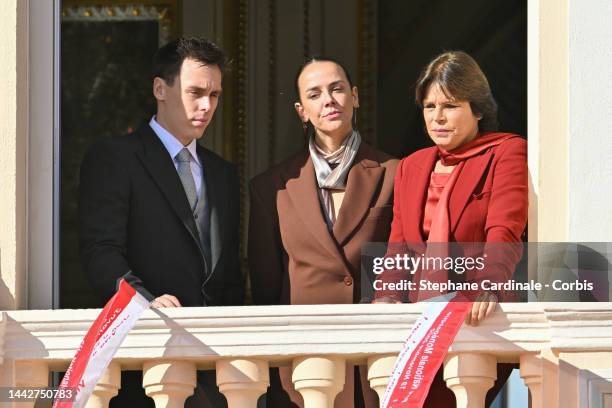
<point x="483" y="306"/>
<point x="165" y="301"/>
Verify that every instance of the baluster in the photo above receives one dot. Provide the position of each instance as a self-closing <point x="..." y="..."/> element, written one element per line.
<point x="106" y="388"/>
<point x="531" y="373"/>
<point x="242" y="381"/>
<point x="33" y="374"/>
<point x="169" y="383"/>
<point x="318" y="379"/>
<point x="379" y="371"/>
<point x="470" y="375"/>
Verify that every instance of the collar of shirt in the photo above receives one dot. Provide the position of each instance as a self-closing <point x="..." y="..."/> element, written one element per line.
<point x="171" y="143"/>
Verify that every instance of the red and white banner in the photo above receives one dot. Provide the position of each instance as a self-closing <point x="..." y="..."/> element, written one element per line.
<point x="424" y="352"/>
<point x="101" y="343"/>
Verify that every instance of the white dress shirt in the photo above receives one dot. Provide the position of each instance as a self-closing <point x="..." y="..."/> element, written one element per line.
<point x="173" y="146"/>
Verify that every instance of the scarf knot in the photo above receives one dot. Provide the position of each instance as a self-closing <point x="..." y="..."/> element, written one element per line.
<point x="477" y="145"/>
<point x="440" y="225"/>
<point x="331" y="170"/>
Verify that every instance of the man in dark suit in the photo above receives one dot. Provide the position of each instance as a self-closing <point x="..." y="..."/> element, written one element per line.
<point x="155" y="207"/>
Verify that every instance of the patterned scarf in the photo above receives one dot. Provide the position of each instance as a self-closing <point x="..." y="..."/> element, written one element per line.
<point x="329" y="178"/>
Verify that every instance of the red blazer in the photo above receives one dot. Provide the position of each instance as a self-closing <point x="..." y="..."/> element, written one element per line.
<point x="488" y="203"/>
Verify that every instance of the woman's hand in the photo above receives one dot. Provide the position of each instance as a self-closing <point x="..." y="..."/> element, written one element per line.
<point x="483" y="306"/>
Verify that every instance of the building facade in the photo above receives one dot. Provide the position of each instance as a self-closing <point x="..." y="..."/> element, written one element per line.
<point x="567" y="80"/>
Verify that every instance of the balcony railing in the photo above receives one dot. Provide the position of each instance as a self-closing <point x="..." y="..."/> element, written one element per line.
<point x="564" y="350"/>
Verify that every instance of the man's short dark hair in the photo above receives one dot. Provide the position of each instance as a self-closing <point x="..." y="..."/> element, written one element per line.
<point x="169" y="58"/>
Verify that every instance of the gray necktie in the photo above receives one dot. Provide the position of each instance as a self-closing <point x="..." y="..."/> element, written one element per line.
<point x="184" y="170"/>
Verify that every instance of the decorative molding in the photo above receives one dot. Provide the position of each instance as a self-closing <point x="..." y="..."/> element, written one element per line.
<point x="241" y="141"/>
<point x="588" y="328"/>
<point x="272" y="83"/>
<point x="161" y="13"/>
<point x="284" y="335"/>
<point x="278" y="333"/>
<point x="368" y="62"/>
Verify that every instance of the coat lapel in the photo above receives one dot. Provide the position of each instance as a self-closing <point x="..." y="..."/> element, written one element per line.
<point x="216" y="192"/>
<point x="305" y="198"/>
<point x="416" y="184"/>
<point x="472" y="172"/>
<point x="363" y="182"/>
<point x="158" y="163"/>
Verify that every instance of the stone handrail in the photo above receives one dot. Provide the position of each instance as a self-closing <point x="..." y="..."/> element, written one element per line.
<point x="242" y="342"/>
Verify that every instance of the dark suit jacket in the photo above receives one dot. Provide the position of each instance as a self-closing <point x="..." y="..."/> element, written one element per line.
<point x="135" y="222"/>
<point x="294" y="259"/>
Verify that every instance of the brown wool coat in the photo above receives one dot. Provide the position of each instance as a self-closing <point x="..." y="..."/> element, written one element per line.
<point x="295" y="259"/>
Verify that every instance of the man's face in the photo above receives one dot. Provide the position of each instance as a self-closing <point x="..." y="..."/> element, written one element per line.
<point x="186" y="107"/>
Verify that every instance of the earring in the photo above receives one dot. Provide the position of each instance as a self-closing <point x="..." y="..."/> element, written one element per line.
<point x="355" y="118"/>
<point x="305" y="128"/>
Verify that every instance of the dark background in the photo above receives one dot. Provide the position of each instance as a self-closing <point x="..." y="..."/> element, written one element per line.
<point x="412" y="33"/>
<point x="106" y="86"/>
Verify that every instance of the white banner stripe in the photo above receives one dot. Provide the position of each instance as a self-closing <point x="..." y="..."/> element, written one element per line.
<point x="106" y="347"/>
<point x="418" y="331"/>
<point x="100" y="344"/>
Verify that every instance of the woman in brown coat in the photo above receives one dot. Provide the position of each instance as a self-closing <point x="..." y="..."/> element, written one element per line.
<point x="311" y="215"/>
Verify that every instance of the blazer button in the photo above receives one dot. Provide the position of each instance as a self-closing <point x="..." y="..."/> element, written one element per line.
<point x="348" y="281"/>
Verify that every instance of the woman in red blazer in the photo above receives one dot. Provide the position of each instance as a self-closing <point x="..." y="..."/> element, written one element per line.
<point x="470" y="187"/>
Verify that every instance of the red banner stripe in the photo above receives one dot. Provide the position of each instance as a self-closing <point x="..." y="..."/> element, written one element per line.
<point x="412" y="377"/>
<point x="105" y="320"/>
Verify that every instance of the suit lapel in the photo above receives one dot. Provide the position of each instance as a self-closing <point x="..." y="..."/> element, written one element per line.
<point x="467" y="181"/>
<point x="362" y="183"/>
<point x="416" y="184"/>
<point x="158" y="163"/>
<point x="216" y="193"/>
<point x="305" y="198"/>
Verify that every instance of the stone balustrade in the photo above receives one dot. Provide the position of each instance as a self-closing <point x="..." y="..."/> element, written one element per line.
<point x="564" y="350"/>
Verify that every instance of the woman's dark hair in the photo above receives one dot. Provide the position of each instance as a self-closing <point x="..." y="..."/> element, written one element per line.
<point x="168" y="59"/>
<point x="319" y="58"/>
<point x="460" y="78"/>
